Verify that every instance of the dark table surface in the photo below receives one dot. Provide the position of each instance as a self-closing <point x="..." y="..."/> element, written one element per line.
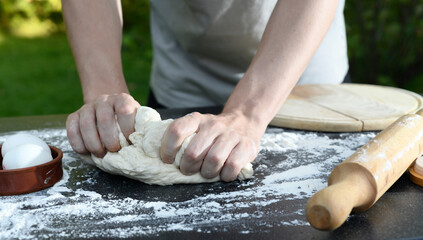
<point x="291" y="166"/>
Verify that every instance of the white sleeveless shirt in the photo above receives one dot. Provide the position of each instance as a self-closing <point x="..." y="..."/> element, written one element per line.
<point x="202" y="49"/>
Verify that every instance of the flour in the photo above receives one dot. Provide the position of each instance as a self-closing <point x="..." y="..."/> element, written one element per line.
<point x="86" y="203"/>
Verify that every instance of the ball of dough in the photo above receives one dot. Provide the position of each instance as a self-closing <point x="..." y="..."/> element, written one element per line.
<point x="141" y="160"/>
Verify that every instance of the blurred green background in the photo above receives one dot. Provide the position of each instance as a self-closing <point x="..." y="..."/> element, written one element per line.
<point x="38" y="75"/>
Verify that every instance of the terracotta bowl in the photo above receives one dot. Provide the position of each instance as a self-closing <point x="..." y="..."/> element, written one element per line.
<point x="31" y="179"/>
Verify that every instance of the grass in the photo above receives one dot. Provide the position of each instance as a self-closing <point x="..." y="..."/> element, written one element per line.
<point x="38" y="76"/>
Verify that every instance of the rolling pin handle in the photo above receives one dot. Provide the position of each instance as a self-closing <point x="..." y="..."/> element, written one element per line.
<point x="330" y="207"/>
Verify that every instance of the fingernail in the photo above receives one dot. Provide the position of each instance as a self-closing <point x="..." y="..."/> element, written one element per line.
<point x="188" y="173"/>
<point x="168" y="160"/>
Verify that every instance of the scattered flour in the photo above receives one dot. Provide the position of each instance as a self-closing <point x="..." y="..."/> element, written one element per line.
<point x="291" y="166"/>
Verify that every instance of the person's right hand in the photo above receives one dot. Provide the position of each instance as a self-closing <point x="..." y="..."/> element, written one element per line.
<point x="93" y="129"/>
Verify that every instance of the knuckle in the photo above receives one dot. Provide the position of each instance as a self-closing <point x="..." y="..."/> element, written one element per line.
<point x="72" y="118"/>
<point x="233" y="165"/>
<point x="216" y="124"/>
<point x="191" y="156"/>
<point x="176" y="128"/>
<point x="214" y="159"/>
<point x="101" y="99"/>
<point x="125" y="109"/>
<point x="122" y="99"/>
<point x="194" y="114"/>
<point x="124" y="96"/>
<point x="86" y="108"/>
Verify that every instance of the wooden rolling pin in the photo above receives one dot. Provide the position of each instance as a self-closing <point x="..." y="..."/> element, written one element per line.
<point x="358" y="182"/>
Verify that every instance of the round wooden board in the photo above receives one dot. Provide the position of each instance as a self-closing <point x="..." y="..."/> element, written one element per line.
<point x="345" y="107"/>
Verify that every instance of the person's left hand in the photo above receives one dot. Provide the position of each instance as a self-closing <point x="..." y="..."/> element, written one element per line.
<point x="223" y="145"/>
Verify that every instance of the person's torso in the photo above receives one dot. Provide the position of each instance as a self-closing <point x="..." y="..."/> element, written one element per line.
<point x="202" y="48"/>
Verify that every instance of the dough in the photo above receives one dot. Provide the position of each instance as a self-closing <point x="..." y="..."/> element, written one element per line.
<point x="141" y="160"/>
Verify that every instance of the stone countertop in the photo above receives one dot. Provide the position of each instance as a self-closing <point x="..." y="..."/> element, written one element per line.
<point x="291" y="166"/>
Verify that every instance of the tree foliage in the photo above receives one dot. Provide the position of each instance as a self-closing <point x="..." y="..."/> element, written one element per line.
<point x="385" y="37"/>
<point x="31" y="17"/>
<point x="385" y="42"/>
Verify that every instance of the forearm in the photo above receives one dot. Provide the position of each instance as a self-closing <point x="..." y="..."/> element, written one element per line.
<point x="95" y="34"/>
<point x="292" y="35"/>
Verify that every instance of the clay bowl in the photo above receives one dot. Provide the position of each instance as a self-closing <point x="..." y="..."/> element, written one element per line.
<point x="31" y="179"/>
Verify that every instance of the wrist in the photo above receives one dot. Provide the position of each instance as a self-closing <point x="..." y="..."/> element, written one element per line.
<point x="94" y="96"/>
<point x="255" y="106"/>
<point x="247" y="110"/>
<point x="259" y="95"/>
<point x="255" y="124"/>
<point x="92" y="89"/>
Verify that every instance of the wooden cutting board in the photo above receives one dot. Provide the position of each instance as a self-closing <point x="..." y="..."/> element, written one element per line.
<point x="345" y="107"/>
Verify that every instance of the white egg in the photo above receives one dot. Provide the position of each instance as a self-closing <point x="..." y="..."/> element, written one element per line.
<point x="26" y="155"/>
<point x="20" y="139"/>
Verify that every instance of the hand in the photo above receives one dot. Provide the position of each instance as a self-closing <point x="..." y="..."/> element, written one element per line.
<point x="93" y="127"/>
<point x="223" y="145"/>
